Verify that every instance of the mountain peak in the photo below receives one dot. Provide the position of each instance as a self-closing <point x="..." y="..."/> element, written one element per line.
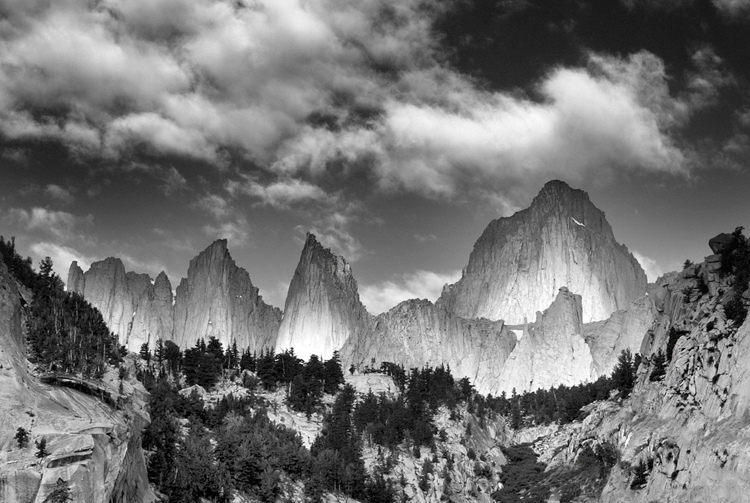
<point x="519" y="262"/>
<point x="322" y="308"/>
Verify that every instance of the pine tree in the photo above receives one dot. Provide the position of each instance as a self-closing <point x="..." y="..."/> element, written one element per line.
<point x="624" y="373"/>
<point x="334" y="376"/>
<point x="41" y="446"/>
<point x="659" y="363"/>
<point x="22" y="437"/>
<point x="145" y="353"/>
<point x="60" y="494"/>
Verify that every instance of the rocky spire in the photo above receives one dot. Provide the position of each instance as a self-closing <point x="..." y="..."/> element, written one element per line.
<point x="322" y="307"/>
<point x="519" y="262"/>
<point x="218" y="299"/>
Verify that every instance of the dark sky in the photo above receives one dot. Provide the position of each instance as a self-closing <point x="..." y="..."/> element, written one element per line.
<point x="393" y="129"/>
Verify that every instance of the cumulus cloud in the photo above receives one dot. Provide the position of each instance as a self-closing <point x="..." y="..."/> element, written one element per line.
<point x="652" y="269"/>
<point x="310" y="90"/>
<point x="62" y="225"/>
<point x="420" y="284"/>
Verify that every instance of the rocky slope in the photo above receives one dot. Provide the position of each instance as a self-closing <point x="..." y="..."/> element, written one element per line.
<point x="92" y="445"/>
<point x="520" y="262"/>
<point x="683" y="436"/>
<point x="216" y="299"/>
<point x="417" y="333"/>
<point x="322" y="308"/>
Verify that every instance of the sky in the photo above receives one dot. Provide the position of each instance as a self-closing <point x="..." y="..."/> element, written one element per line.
<point x="395" y="130"/>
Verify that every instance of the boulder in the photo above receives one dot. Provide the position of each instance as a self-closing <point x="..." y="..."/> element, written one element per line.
<point x="720" y="242"/>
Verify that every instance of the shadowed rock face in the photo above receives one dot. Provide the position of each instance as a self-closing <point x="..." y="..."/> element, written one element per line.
<point x="520" y="262"/>
<point x="216" y="299"/>
<point x="322" y="308"/>
<point x="93" y="446"/>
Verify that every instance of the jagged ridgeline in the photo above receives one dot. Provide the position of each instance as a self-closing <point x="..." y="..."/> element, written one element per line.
<point x="669" y="424"/>
<point x="538" y="292"/>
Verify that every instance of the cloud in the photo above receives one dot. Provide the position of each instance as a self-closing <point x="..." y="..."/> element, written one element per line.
<point x="62" y="225"/>
<point x="16" y="155"/>
<point x="303" y="93"/>
<point x="733" y="8"/>
<point x="424" y="238"/>
<point x="280" y="194"/>
<point x="333" y="230"/>
<point x="216" y="205"/>
<point x="173" y="181"/>
<point x="616" y="114"/>
<point x="650" y="267"/>
<point x="420" y="284"/>
<point x="709" y="78"/>
<point x="61" y="194"/>
<point x="235" y="230"/>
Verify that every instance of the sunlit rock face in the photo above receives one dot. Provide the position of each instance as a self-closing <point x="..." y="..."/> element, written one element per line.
<point x="625" y="329"/>
<point x="322" y="308"/>
<point x="152" y="319"/>
<point x="92" y="445"/>
<point x="416" y="333"/>
<point x="689" y="427"/>
<point x="218" y="299"/>
<point x="120" y="297"/>
<point x="520" y="262"/>
<point x="552" y="350"/>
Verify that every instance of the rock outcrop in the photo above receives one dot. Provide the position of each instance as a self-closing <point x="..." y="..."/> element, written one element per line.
<point x="625" y="329"/>
<point x="131" y="306"/>
<point x="218" y="299"/>
<point x="520" y="262"/>
<point x="552" y="350"/>
<point x="684" y="435"/>
<point x="322" y="309"/>
<point x="416" y="333"/>
<point x="93" y="446"/>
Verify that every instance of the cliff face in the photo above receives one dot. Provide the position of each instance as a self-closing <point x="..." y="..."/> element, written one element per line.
<point x="552" y="350"/>
<point x="218" y="299"/>
<point x="625" y="329"/>
<point x="687" y="431"/>
<point x="322" y="309"/>
<point x="93" y="446"/>
<point x="128" y="301"/>
<point x="417" y="333"/>
<point x="520" y="262"/>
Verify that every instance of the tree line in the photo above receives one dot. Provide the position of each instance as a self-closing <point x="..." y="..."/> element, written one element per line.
<point x="64" y="332"/>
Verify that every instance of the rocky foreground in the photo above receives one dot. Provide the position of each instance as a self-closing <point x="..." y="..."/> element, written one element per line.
<point x="92" y="433"/>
